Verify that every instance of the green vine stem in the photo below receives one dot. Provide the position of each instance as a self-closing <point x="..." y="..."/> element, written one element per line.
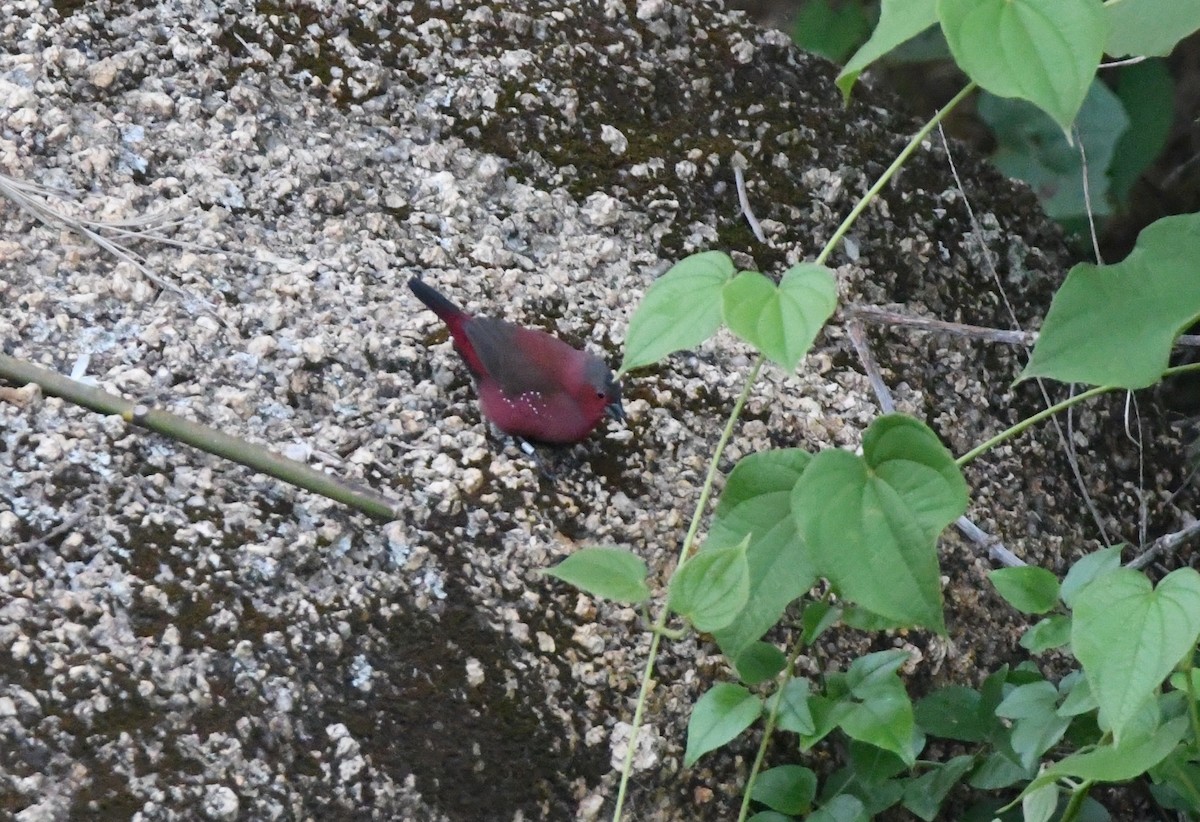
<point x="1028" y="422"/>
<point x="200" y="436"/>
<point x="890" y="172"/>
<point x="660" y="623"/>
<point x="1183" y="781"/>
<point x="785" y="677"/>
<point x="1075" y="803"/>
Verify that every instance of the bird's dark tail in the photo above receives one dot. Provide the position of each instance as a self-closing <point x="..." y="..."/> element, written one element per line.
<point x="455" y="319"/>
<point x="434" y="301"/>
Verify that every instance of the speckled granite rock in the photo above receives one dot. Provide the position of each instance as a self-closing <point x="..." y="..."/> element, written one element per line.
<point x="180" y="638"/>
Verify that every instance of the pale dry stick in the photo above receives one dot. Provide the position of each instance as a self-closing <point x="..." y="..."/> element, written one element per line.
<point x="887" y="316"/>
<point x="1087" y="195"/>
<point x="1171" y="179"/>
<point x="858" y="338"/>
<point x="56" y="531"/>
<point x="145" y="226"/>
<point x="1165" y="543"/>
<point x="24" y="195"/>
<point x="966" y="527"/>
<point x="881" y="315"/>
<point x="1143" y="505"/>
<point x="1068" y="446"/>
<point x="978" y="332"/>
<point x="1129" y="61"/>
<point x="995" y="547"/>
<point x="1192" y="474"/>
<point x="208" y="439"/>
<point x="744" y="201"/>
<point x="1070" y="424"/>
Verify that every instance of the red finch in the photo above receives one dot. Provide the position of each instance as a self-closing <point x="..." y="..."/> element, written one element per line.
<point x="530" y="384"/>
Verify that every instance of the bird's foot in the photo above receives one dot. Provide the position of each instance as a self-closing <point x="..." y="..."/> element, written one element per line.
<point x="530" y="451"/>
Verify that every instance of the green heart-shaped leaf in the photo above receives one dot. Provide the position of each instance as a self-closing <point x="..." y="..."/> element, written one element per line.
<point x="1032" y="147"/>
<point x="758" y="662"/>
<point x="1115" y="324"/>
<point x="1043" y="51"/>
<point x="788" y="789"/>
<point x="1052" y="632"/>
<point x="899" y="21"/>
<point x="1029" y="589"/>
<point x="781" y="321"/>
<point x="871" y="522"/>
<point x="925" y="794"/>
<point x="1149" y="27"/>
<point x="711" y="588"/>
<point x="1128" y="637"/>
<point x="1117" y="763"/>
<point x="952" y="712"/>
<point x="719" y="716"/>
<point x="794" y="714"/>
<point x="680" y="310"/>
<point x="1095" y="564"/>
<point x="884" y="718"/>
<point x="1038" y="725"/>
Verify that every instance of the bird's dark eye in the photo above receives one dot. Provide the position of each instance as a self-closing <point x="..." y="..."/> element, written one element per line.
<point x="601" y="395"/>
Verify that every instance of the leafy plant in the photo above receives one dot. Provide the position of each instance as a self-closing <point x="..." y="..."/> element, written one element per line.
<point x="1121" y="131"/>
<point x="788" y="518"/>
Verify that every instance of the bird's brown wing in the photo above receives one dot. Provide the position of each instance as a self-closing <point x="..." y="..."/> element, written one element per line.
<point x="518" y="359"/>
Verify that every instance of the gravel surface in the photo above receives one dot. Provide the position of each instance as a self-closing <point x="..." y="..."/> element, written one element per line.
<point x="181" y="638"/>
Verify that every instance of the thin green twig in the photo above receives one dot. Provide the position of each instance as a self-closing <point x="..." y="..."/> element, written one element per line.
<point x="1046" y="413"/>
<point x="1075" y="803"/>
<point x="661" y="622"/>
<point x="890" y="172"/>
<point x="854" y="214"/>
<point x="1028" y="422"/>
<point x="1182" y="781"/>
<point x="789" y="671"/>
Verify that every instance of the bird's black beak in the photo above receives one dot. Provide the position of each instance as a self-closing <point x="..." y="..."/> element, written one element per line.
<point x="616" y="410"/>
